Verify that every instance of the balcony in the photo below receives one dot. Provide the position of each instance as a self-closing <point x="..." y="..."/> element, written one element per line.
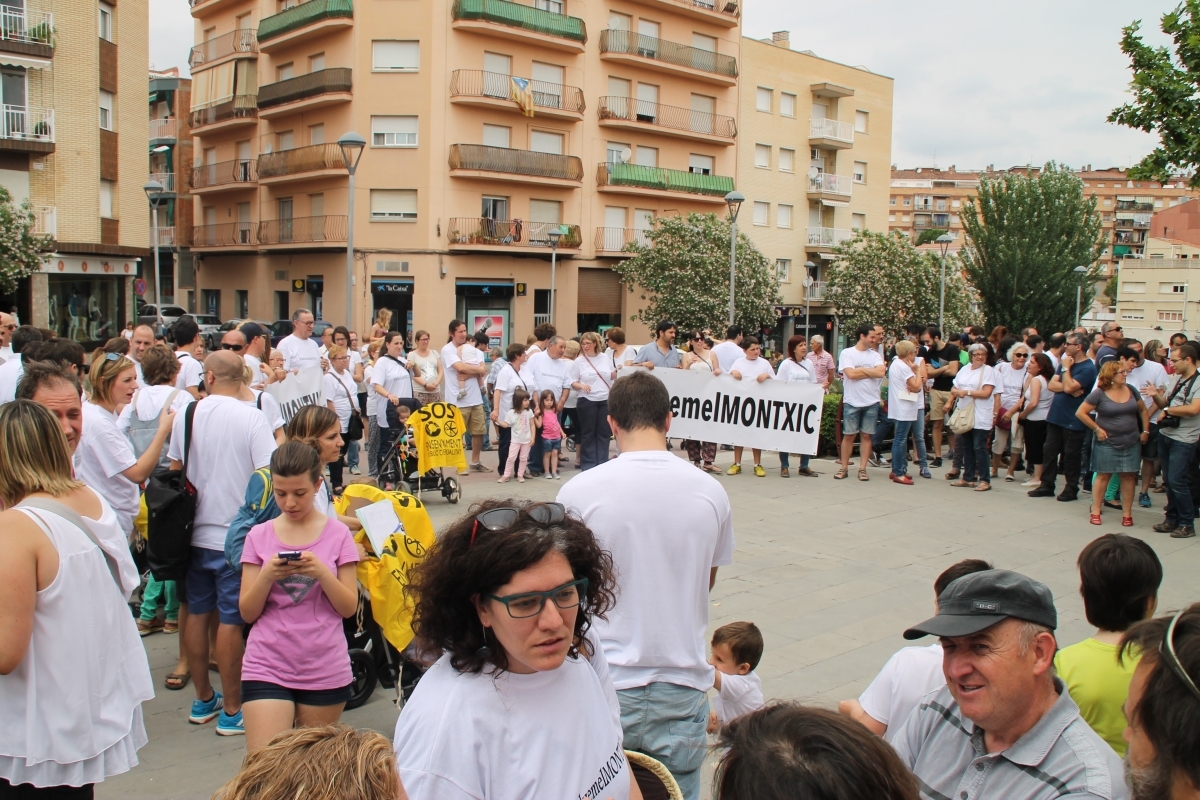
<point x="816" y="291"/>
<point x="303" y="232"/>
<point x="831" y="134"/>
<point x="166" y="236"/>
<point x="520" y="22"/>
<point x="29" y="34"/>
<point x="827" y="238"/>
<point x="302" y="163"/>
<point x="27" y="129"/>
<point x="520" y="166"/>
<point x="500" y="235"/>
<point x="239" y="110"/>
<point x="204" y="8"/>
<point x="613" y="241"/>
<point x="164" y="131"/>
<point x="241" y="43"/>
<point x="325" y="87"/>
<point x="304" y="21"/>
<point x="653" y="181"/>
<point x="719" y="12"/>
<point x="657" y="54"/>
<point x="682" y="123"/>
<point x="494" y="90"/>
<point x="167" y="179"/>
<point x="834" y="188"/>
<point x="45" y="221"/>
<point x="239" y="236"/>
<point x="225" y="176"/>
<point x="1133" y="205"/>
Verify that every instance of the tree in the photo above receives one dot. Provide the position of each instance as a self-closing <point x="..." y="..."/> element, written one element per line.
<point x="878" y="278"/>
<point x="683" y="276"/>
<point x="1110" y="289"/>
<point x="1025" y="235"/>
<point x="20" y="249"/>
<point x="1166" y="95"/>
<point x="929" y="236"/>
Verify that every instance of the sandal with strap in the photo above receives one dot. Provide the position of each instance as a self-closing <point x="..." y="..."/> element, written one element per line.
<point x="841" y="474"/>
<point x="862" y="475"/>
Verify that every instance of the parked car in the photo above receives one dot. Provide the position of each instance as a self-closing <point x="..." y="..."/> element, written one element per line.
<point x="160" y="318"/>
<point x="282" y="328"/>
<point x="215" y="338"/>
<point x="208" y="324"/>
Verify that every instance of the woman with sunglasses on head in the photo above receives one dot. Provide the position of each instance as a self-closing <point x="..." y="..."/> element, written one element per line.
<point x="520" y="703"/>
<point x="700" y="358"/>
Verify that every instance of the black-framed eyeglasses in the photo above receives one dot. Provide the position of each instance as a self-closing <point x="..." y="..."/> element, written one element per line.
<point x="530" y="604"/>
<point x="499" y="519"/>
<point x="237" y="348"/>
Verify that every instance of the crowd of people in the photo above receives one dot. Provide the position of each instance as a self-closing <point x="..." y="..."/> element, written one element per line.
<point x="593" y="608"/>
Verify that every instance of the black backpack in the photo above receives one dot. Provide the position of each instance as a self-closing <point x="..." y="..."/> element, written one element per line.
<point x="171" y="513"/>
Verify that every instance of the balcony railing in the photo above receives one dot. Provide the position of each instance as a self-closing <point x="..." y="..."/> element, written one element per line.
<point x="828" y="237"/>
<point x="829" y="183"/>
<point x="517" y="162"/>
<point x="816" y="291"/>
<point x="167" y="179"/>
<point x="510" y="232"/>
<point x="496" y="85"/>
<point x="302" y="15"/>
<point x="28" y="123"/>
<point x="670" y="180"/>
<point x="30" y="27"/>
<point x="681" y="55"/>
<point x="515" y="15"/>
<point x="227" y="234"/>
<point x="728" y="8"/>
<point x="541" y="319"/>
<point x="313" y="158"/>
<point x="166" y="236"/>
<point x="831" y="129"/>
<point x="1133" y="205"/>
<point x="614" y="240"/>
<point x="302" y="230"/>
<point x="240" y="106"/>
<point x="164" y="128"/>
<point x="674" y="117"/>
<point x="45" y="221"/>
<point x="242" y="40"/>
<point x="323" y="81"/>
<point x="225" y="172"/>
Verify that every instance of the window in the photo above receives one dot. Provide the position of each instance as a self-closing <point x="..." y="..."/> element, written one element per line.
<point x="106" y="199"/>
<point x="860" y="172"/>
<point x="618" y="87"/>
<point x="787" y="105"/>
<point x="316" y="133"/>
<point x="702" y="165"/>
<point x="616" y="152"/>
<point x="1169" y="316"/>
<point x="546" y="142"/>
<point x="891" y="201"/>
<point x="861" y="122"/>
<point x="646" y="156"/>
<point x="858" y="222"/>
<point x="787" y="160"/>
<point x="316" y="204"/>
<point x="316" y="62"/>
<point x="1134" y="313"/>
<point x="547" y="211"/>
<point x="783" y="216"/>
<point x="285" y="71"/>
<point x="1107" y="202"/>
<point x="763" y="100"/>
<point x="762" y="156"/>
<point x="393" y="205"/>
<point x="1172" y="288"/>
<point x="891" y="217"/>
<point x="496" y="135"/>
<point x="497" y="63"/>
<point x="286" y="140"/>
<point x="106" y="22"/>
<point x="783" y="269"/>
<point x="618" y="21"/>
<point x="955" y="203"/>
<point x="106" y="110"/>
<point x="553" y="6"/>
<point x="495" y="207"/>
<point x="388" y="55"/>
<point x="1134" y="287"/>
<point x="393" y="131"/>
<point x="702" y="42"/>
<point x="908" y="201"/>
<point x="241" y="303"/>
<point x="762" y="213"/>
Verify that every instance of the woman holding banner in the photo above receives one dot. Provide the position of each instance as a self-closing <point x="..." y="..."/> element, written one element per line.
<point x="701" y="359"/>
<point x="753" y="367"/>
<point x="592" y="374"/>
<point x="796" y="368"/>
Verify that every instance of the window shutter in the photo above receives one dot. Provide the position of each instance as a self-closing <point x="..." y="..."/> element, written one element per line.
<point x="599" y="292"/>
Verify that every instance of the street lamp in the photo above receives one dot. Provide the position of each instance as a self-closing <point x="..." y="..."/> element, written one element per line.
<point x="154" y="193"/>
<point x="808" y="282"/>
<point x="943" y="243"/>
<point x="352" y="149"/>
<point x="555" y="233"/>
<point x="734" y="200"/>
<point x="1080" y="271"/>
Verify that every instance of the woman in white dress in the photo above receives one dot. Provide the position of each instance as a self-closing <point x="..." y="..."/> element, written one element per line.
<point x="796" y="368"/>
<point x="65" y="622"/>
<point x="700" y="358"/>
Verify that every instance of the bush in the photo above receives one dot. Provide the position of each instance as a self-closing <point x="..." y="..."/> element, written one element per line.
<point x="826" y="443"/>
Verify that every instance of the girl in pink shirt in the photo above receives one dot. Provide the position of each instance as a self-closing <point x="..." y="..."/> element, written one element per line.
<point x="552" y="434"/>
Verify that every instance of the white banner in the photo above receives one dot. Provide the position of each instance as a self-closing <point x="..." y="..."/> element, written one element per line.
<point x="298" y="389"/>
<point x="772" y="415"/>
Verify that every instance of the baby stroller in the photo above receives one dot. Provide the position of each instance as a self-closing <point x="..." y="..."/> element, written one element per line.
<point x="373" y="659"/>
<point x="401" y="468"/>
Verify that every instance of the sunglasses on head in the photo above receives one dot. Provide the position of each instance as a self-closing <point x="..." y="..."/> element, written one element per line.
<point x="500" y="519"/>
<point x="234" y="347"/>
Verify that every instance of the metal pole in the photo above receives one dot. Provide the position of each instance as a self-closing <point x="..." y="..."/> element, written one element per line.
<point x="732" y="264"/>
<point x="1185" y="295"/>
<point x="806" y="317"/>
<point x="1078" y="300"/>
<point x="157" y="276"/>
<point x="942" y="299"/>
<point x="350" y="256"/>
<point x="553" y="270"/>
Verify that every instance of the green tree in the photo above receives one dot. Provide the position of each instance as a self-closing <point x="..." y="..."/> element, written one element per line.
<point x="1166" y="95"/>
<point x="884" y="279"/>
<point x="1025" y="235"/>
<point x="20" y="249"/>
<point x="929" y="236"/>
<point x="683" y="275"/>
<point x="1110" y="289"/>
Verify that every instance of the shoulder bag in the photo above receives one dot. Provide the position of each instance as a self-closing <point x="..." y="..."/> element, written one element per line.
<point x="171" y="514"/>
<point x="963" y="417"/>
<point x="354" y="428"/>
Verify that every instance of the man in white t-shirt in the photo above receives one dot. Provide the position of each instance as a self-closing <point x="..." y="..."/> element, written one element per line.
<point x="230" y="440"/>
<point x="1145" y="372"/>
<point x="551" y="372"/>
<point x="729" y="350"/>
<point x="666" y="555"/>
<point x="910" y="674"/>
<point x="141" y="341"/>
<point x="462" y="390"/>
<point x="862" y="370"/>
<point x="1055" y="348"/>
<point x="255" y="341"/>
<point x="8" y="324"/>
<point x="13" y="370"/>
<point x="186" y="336"/>
<point x="300" y="351"/>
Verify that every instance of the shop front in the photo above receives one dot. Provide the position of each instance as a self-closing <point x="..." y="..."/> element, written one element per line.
<point x="486" y="306"/>
<point x="87" y="297"/>
<point x="396" y="295"/>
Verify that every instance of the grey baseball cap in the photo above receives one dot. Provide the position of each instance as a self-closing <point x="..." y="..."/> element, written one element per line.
<point x="980" y="600"/>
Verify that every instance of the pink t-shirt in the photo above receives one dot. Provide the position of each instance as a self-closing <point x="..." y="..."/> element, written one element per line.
<point x="550" y="427"/>
<point x="298" y="640"/>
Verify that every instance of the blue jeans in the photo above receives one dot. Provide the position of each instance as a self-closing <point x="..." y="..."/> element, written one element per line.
<point x="1176" y="458"/>
<point x="352" y="455"/>
<point x="977" y="466"/>
<point x="900" y="447"/>
<point x="783" y="460"/>
<point x="669" y="723"/>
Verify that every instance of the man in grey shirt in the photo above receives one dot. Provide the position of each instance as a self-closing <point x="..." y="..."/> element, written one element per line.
<point x="661" y="352"/>
<point x="1178" y="432"/>
<point x="1004" y="727"/>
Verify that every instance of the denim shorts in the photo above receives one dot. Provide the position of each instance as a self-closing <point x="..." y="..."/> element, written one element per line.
<point x="668" y="722"/>
<point x="859" y="420"/>
<point x="552" y="444"/>
<point x="265" y="690"/>
<point x="213" y="584"/>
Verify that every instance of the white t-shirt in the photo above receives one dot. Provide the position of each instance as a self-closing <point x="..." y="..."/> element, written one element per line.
<point x="521" y="426"/>
<point x="473" y="397"/>
<point x="1055" y="360"/>
<point x="970" y="380"/>
<point x="299" y="353"/>
<point x="1149" y="372"/>
<point x="750" y="370"/>
<point x="340" y="390"/>
<point x="596" y="372"/>
<point x="738" y="695"/>
<point x="727" y="352"/>
<point x="11" y="372"/>
<point x="191" y="371"/>
<point x="369" y="380"/>
<point x="393" y="377"/>
<point x="6" y="353"/>
<point x="898" y="408"/>
<point x="149" y="401"/>
<point x="507" y="382"/>
<point x="1010" y="383"/>
<point x="266" y="402"/>
<point x="230" y="439"/>
<point x="623" y="359"/>
<point x="910" y="674"/>
<point x="550" y="373"/>
<point x="861" y="392"/>
<point x="102" y="454"/>
<point x="796" y="371"/>
<point x="664" y="553"/>
<point x="544" y="736"/>
<point x="255" y="364"/>
<point x="137" y="367"/>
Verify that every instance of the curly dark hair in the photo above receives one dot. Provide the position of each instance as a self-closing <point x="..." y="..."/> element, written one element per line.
<point x="444" y="586"/>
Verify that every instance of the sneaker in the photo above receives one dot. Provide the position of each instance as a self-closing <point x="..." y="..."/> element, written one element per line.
<point x="736" y="469"/>
<point x="549" y="476"/>
<point x="1144" y="500"/>
<point x="557" y="477"/>
<point x="354" y="471"/>
<point x="1183" y="532"/>
<point x="1031" y="483"/>
<point x="479" y="467"/>
<point x="937" y="462"/>
<point x="926" y="473"/>
<point x="230" y="726"/>
<point x="874" y="460"/>
<point x="759" y="472"/>
<point x="1164" y="527"/>
<point x="204" y="710"/>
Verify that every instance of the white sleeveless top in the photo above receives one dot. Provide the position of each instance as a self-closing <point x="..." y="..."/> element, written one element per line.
<point x="700" y="365"/>
<point x="72" y="708"/>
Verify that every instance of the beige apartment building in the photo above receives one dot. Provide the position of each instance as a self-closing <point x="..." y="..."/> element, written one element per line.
<point x="492" y="129"/>
<point x="73" y="142"/>
<point x="171" y="166"/>
<point x="813" y="164"/>
<point x="1155" y="295"/>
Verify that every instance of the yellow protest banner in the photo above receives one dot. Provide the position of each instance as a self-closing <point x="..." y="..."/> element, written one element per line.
<point x="438" y="436"/>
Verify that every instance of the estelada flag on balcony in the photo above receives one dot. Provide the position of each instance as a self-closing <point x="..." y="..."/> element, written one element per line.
<point x="522" y="94"/>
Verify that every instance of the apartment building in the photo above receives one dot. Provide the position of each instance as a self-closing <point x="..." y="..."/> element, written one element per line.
<point x="813" y="164"/>
<point x="496" y="132"/>
<point x="171" y="167"/>
<point x="1154" y="295"/>
<point x="73" y="143"/>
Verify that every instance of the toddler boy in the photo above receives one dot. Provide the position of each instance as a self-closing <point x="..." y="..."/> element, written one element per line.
<point x="736" y="650"/>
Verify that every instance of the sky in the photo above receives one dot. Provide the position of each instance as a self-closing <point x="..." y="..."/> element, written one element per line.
<point x="1006" y="84"/>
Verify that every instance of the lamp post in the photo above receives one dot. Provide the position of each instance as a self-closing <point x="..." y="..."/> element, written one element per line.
<point x="1080" y="271"/>
<point x="555" y="233"/>
<point x="808" y="282"/>
<point x="352" y="149"/>
<point x="943" y="243"/>
<point x="154" y="193"/>
<point x="734" y="200"/>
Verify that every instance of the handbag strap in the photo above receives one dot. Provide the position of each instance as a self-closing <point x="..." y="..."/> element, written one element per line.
<point x="72" y="516"/>
<point x="598" y="375"/>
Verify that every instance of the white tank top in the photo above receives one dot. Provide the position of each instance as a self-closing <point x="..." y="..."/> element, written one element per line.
<point x="700" y="365"/>
<point x="72" y="707"/>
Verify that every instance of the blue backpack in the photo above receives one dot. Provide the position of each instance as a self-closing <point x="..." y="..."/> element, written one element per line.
<point x="259" y="507"/>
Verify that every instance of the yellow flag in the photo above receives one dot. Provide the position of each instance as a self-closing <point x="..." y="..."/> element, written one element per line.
<point x="522" y="94"/>
<point x="438" y="436"/>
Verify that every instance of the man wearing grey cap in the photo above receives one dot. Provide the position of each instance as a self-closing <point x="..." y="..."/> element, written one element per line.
<point x="1003" y="727"/>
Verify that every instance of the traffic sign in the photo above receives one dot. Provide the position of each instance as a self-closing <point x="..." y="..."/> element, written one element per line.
<point x="139" y="287"/>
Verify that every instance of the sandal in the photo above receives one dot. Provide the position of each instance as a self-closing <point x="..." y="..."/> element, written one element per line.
<point x="171" y="626"/>
<point x="1126" y="522"/>
<point x="1095" y="519"/>
<point x="1009" y="478"/>
<point x="962" y="483"/>
<point x="983" y="486"/>
<point x="862" y="475"/>
<point x="841" y="474"/>
<point x="1111" y="504"/>
<point x="176" y="681"/>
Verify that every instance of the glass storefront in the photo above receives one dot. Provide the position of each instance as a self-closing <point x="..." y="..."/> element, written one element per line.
<point x="86" y="309"/>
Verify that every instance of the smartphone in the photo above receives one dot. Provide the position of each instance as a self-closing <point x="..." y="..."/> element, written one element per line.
<point x="289" y="555"/>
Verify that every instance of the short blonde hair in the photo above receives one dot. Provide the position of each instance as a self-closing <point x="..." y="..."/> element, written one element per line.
<point x="572" y="350"/>
<point x="904" y="348"/>
<point x="103" y="373"/>
<point x="594" y="338"/>
<point x="336" y="351"/>
<point x="36" y="455"/>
